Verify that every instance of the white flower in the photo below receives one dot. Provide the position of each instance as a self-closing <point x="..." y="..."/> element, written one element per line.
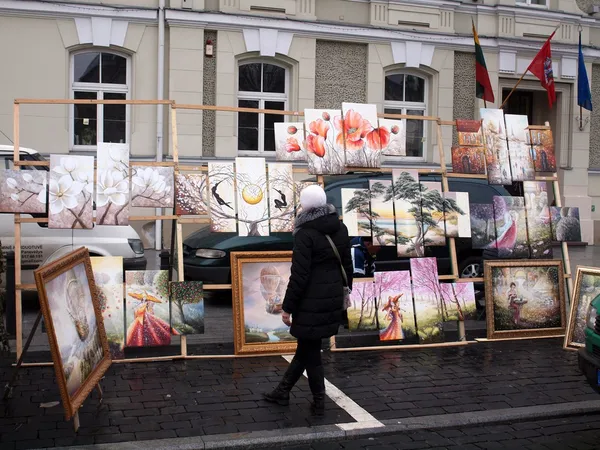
<point x="63" y="193"/>
<point x="146" y="178"/>
<point x="27" y="178"/>
<point x="15" y="197"/>
<point x="112" y="188"/>
<point x="88" y="180"/>
<point x="12" y="183"/>
<point x="67" y="166"/>
<point x="42" y="195"/>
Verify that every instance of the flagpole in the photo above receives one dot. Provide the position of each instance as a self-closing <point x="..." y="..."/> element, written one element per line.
<point x="580" y="118"/>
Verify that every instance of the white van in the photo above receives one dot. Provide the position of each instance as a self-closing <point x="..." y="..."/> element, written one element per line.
<point x="40" y="245"/>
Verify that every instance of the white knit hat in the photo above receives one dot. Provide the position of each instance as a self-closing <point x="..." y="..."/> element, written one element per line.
<point x="312" y="196"/>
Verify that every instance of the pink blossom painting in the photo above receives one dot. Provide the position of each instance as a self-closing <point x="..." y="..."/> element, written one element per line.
<point x="191" y="194"/>
<point x="395" y="300"/>
<point x="112" y="184"/>
<point x="362" y="136"/>
<point x="458" y="300"/>
<point x="324" y="141"/>
<point x="289" y="141"/>
<point x="363" y="314"/>
<point x="23" y="191"/>
<point x="392" y="137"/>
<point x="428" y="302"/>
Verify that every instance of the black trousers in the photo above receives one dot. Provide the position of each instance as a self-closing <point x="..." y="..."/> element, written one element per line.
<point x="308" y="352"/>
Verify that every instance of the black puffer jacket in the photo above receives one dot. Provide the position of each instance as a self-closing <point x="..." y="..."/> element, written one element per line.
<point x="315" y="295"/>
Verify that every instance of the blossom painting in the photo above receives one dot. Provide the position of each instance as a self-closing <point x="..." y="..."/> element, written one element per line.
<point x="289" y="141"/>
<point x="566" y="226"/>
<point x="382" y="213"/>
<point x="483" y="227"/>
<point x="23" y="191"/>
<point x="324" y="141"/>
<point x="357" y="207"/>
<point x="469" y="132"/>
<point x="458" y="300"/>
<point x="519" y="150"/>
<point x="392" y="137"/>
<point x="108" y="275"/>
<point x="468" y="160"/>
<point x="363" y="139"/>
<point x="427" y="300"/>
<point x="191" y="194"/>
<point x="496" y="147"/>
<point x="364" y="313"/>
<point x="394" y="293"/>
<point x="147" y="308"/>
<point x="407" y="208"/>
<point x="432" y="214"/>
<point x="221" y="178"/>
<point x="187" y="307"/>
<point x="511" y="227"/>
<point x="112" y="184"/>
<point x="538" y="219"/>
<point x="544" y="159"/>
<point x="281" y="197"/>
<point x="70" y="192"/>
<point x="457" y="217"/>
<point x="152" y="187"/>
<point x="253" y="206"/>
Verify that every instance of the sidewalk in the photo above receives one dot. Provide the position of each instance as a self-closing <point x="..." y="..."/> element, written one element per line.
<point x="381" y="393"/>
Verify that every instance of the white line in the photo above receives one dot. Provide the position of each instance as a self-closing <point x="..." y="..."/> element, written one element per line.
<point x="362" y="417"/>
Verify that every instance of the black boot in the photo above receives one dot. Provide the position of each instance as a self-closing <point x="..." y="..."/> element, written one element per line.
<point x="316" y="381"/>
<point x="281" y="394"/>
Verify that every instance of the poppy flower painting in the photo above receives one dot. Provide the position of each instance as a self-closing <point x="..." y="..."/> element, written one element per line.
<point x="392" y="137"/>
<point x="289" y="141"/>
<point x="324" y="141"/>
<point x="362" y="137"/>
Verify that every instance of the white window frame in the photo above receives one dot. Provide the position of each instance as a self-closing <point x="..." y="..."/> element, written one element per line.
<point x="261" y="98"/>
<point x="532" y="5"/>
<point x="404" y="106"/>
<point x="100" y="89"/>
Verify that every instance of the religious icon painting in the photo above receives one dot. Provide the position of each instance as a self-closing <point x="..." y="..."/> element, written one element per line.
<point x="253" y="207"/>
<point x="222" y="205"/>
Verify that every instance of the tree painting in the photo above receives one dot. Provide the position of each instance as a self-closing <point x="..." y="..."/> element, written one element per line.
<point x="394" y="293"/>
<point x="538" y="219"/>
<point x="112" y="184"/>
<point x="432" y="213"/>
<point x="152" y="187"/>
<point x="459" y="301"/>
<point x="253" y="207"/>
<point x="360" y="206"/>
<point x="351" y="216"/>
<point x="281" y="197"/>
<point x="457" y="224"/>
<point x="429" y="307"/>
<point x="496" y="147"/>
<point x="187" y="307"/>
<point x="589" y="288"/>
<point x="382" y="213"/>
<point x="566" y="226"/>
<point x="191" y="194"/>
<point x="363" y="313"/>
<point x="483" y="229"/>
<point x="23" y="191"/>
<point x="221" y="177"/>
<point x="511" y="227"/>
<point x="407" y="208"/>
<point x="324" y="141"/>
<point x="362" y="137"/>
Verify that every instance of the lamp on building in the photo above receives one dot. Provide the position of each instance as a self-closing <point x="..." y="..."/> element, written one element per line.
<point x="209" y="49"/>
<point x="583" y="122"/>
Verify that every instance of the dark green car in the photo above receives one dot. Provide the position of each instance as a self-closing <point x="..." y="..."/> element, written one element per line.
<point x="589" y="356"/>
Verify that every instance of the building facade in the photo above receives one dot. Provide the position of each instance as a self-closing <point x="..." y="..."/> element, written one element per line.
<point x="406" y="56"/>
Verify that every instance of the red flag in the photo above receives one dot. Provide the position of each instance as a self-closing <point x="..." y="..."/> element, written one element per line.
<point x="541" y="67"/>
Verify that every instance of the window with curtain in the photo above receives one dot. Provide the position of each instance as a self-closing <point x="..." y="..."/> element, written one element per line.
<point x="261" y="86"/>
<point x="406" y="93"/>
<point x="99" y="75"/>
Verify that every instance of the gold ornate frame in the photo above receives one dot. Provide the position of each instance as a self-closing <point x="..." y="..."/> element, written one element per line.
<point x="581" y="270"/>
<point x="42" y="276"/>
<point x="492" y="334"/>
<point x="238" y="259"/>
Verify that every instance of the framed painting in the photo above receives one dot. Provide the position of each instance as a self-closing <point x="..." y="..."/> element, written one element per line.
<point x="524" y="299"/>
<point x="259" y="281"/>
<point x="69" y="303"/>
<point x="587" y="288"/>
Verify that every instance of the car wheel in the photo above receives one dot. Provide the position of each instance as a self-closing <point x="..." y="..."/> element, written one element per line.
<point x="471" y="268"/>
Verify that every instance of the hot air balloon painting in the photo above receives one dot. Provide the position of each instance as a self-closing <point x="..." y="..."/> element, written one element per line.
<point x="511" y="227"/>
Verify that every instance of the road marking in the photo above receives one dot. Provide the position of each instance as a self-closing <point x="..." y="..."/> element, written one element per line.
<point x="363" y="418"/>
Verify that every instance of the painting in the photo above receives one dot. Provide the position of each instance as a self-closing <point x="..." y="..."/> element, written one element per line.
<point x="457" y="216"/>
<point x="364" y="312"/>
<point x="74" y="325"/>
<point x="432" y="214"/>
<point x="392" y="137"/>
<point x="281" y="197"/>
<point x="496" y="147"/>
<point x="108" y="275"/>
<point x="349" y="216"/>
<point x="147" y="308"/>
<point x="539" y="230"/>
<point x="524" y="299"/>
<point x="191" y="194"/>
<point x="362" y="137"/>
<point x="187" y="307"/>
<point x="289" y="141"/>
<point x="566" y="226"/>
<point x="70" y="192"/>
<point x="458" y="300"/>
<point x="427" y="300"/>
<point x="382" y="213"/>
<point x="357" y="206"/>
<point x="511" y="227"/>
<point x="253" y="206"/>
<point x="324" y="141"/>
<point x="221" y="178"/>
<point x="469" y="132"/>
<point x="407" y="207"/>
<point x="587" y="288"/>
<point x="152" y="187"/>
<point x="519" y="150"/>
<point x="23" y="191"/>
<point x="468" y="160"/>
<point x="393" y="289"/>
<point x="544" y="159"/>
<point x="483" y="227"/>
<point x="259" y="283"/>
<point x="112" y="184"/>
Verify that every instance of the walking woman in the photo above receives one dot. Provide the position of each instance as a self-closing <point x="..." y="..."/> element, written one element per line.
<point x="314" y="300"/>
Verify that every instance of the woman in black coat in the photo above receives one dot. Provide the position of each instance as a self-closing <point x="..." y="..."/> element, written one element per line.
<point x="314" y="300"/>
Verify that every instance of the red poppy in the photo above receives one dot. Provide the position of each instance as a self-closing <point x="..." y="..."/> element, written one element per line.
<point x="326" y="116"/>
<point x="378" y="138"/>
<point x="292" y="145"/>
<point x="316" y="145"/>
<point x="292" y="129"/>
<point x="355" y="129"/>
<point x="395" y="129"/>
<point x="319" y="127"/>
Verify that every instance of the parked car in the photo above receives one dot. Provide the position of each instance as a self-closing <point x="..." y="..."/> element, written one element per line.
<point x="40" y="245"/>
<point x="589" y="356"/>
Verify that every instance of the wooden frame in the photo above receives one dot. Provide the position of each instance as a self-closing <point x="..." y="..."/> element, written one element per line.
<point x="238" y="259"/>
<point x="45" y="275"/>
<point x="494" y="334"/>
<point x="574" y="318"/>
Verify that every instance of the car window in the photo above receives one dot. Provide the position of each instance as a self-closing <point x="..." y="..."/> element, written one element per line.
<point x="479" y="190"/>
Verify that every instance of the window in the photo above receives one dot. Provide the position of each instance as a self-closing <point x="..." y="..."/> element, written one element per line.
<point x="260" y="86"/>
<point x="99" y="76"/>
<point x="543" y="3"/>
<point x="406" y="93"/>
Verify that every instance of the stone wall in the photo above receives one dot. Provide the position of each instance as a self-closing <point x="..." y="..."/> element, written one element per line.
<point x="464" y="88"/>
<point x="595" y="121"/>
<point x="209" y="97"/>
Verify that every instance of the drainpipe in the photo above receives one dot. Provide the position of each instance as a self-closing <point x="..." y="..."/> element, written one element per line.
<point x="160" y="93"/>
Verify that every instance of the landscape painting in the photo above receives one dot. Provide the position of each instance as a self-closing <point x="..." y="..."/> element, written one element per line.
<point x="427" y="300"/>
<point x="23" y="191"/>
<point x="349" y="216"/>
<point x="457" y="217"/>
<point x="359" y="206"/>
<point x="521" y="161"/>
<point x="469" y="132"/>
<point x="587" y="288"/>
<point x="393" y="289"/>
<point x="539" y="230"/>
<point x="407" y="207"/>
<point x="392" y="137"/>
<point x="566" y="226"/>
<point x="364" y="313"/>
<point x="458" y="300"/>
<point x="524" y="299"/>
<point x="511" y="227"/>
<point x="362" y="137"/>
<point x="496" y="147"/>
<point x="191" y="194"/>
<point x="468" y="160"/>
<point x="187" y="307"/>
<point x="382" y="213"/>
<point x="289" y="141"/>
<point x="281" y="197"/>
<point x="222" y="205"/>
<point x="70" y="192"/>
<point x="483" y="227"/>
<point x="324" y="141"/>
<point x="152" y="187"/>
<point x="253" y="207"/>
<point x="112" y="184"/>
<point x="544" y="159"/>
<point x="432" y="214"/>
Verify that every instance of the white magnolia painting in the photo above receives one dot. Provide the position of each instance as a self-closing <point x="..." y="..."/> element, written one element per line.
<point x="361" y="133"/>
<point x="281" y="197"/>
<point x="152" y="186"/>
<point x="71" y="188"/>
<point x="23" y="191"/>
<point x="324" y="141"/>
<point x="289" y="141"/>
<point x="112" y="184"/>
<point x="222" y="200"/>
<point x="392" y="137"/>
<point x="253" y="207"/>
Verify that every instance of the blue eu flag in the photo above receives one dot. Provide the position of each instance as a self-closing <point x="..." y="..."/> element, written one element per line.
<point x="584" y="95"/>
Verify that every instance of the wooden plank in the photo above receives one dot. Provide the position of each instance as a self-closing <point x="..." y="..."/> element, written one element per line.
<point x="17" y="251"/>
<point x="235" y="109"/>
<point x="216" y="287"/>
<point x="467" y="175"/>
<point x="131" y="218"/>
<point x="62" y="101"/>
<point x="403" y="347"/>
<point x="564" y="247"/>
<point x="32" y="163"/>
<point x="26" y="287"/>
<point x="470" y="280"/>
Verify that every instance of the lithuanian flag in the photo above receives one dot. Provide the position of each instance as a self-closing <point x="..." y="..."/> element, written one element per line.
<point x="484" y="89"/>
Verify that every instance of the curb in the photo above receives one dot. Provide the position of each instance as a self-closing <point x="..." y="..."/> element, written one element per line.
<point x="325" y="433"/>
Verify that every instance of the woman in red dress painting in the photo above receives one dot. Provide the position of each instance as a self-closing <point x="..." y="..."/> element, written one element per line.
<point x="147" y="330"/>
<point x="394" y="330"/>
